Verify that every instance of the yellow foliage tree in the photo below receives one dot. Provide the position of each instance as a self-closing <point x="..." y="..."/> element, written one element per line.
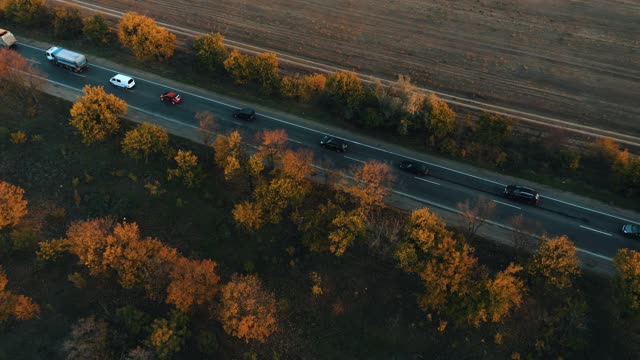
<point x="145" y="140"/>
<point x="346" y="89"/>
<point x="347" y="227"/>
<point x="188" y="169"/>
<point x="13" y="206"/>
<point x="247" y="310"/>
<point x="229" y="153"/>
<point x="95" y="114"/>
<point x="628" y="278"/>
<point x="192" y="282"/>
<point x="555" y="262"/>
<point x="145" y="38"/>
<point x="506" y="292"/>
<point x="441" y="121"/>
<point x="265" y="70"/>
<point x="272" y="145"/>
<point x="209" y="51"/>
<point x="239" y="66"/>
<point x="249" y="215"/>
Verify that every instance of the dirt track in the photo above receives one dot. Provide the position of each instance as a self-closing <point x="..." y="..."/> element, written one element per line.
<point x="577" y="60"/>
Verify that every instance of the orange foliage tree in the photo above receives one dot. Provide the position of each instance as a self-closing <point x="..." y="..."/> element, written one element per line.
<point x="265" y="69"/>
<point x="88" y="241"/>
<point x="441" y="121"/>
<point x="21" y="82"/>
<point x="13" y="206"/>
<point x="346" y="228"/>
<point x="272" y="144"/>
<point x="249" y="215"/>
<point x="304" y="88"/>
<point x="239" y="66"/>
<point x="145" y="140"/>
<point x="371" y="185"/>
<point x="229" y="153"/>
<point x="145" y="38"/>
<point x="192" y="282"/>
<point x="95" y="114"/>
<point x="13" y="305"/>
<point x="555" y="262"/>
<point x="627" y="264"/>
<point x="247" y="310"/>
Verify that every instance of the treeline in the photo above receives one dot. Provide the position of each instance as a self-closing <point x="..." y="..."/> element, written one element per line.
<point x="489" y="139"/>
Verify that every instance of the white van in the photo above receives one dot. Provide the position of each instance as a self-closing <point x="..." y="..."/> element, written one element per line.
<point x="122" y="81"/>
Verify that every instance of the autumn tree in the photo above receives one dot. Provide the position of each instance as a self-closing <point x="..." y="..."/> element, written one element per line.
<point x="89" y="339"/>
<point x="14" y="306"/>
<point x="345" y="89"/>
<point x="372" y="181"/>
<point x="346" y="228"/>
<point x="249" y="215"/>
<point x="210" y="51"/>
<point x="96" y="29"/>
<point x="229" y="153"/>
<point x="304" y="88"/>
<point x="95" y="114"/>
<point x="247" y="310"/>
<point x="168" y="336"/>
<point x="21" y="83"/>
<point x="441" y="120"/>
<point x="265" y="70"/>
<point x="627" y="279"/>
<point x="193" y="282"/>
<point x="145" y="38"/>
<point x="493" y="129"/>
<point x="188" y="170"/>
<point x="13" y="206"/>
<point x="25" y="12"/>
<point x="271" y="145"/>
<point x="476" y="215"/>
<point x="555" y="262"/>
<point x="207" y="126"/>
<point x="505" y="293"/>
<point x="145" y="140"/>
<point x="315" y="224"/>
<point x="239" y="66"/>
<point x="88" y="241"/>
<point x="66" y="22"/>
<point x="626" y="168"/>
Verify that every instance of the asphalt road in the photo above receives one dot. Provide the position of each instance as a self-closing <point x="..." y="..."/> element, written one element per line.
<point x="595" y="232"/>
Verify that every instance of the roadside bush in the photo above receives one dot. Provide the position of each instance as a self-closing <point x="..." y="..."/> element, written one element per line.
<point x="493" y="129"/>
<point x="96" y="29"/>
<point x="345" y="89"/>
<point x="238" y="65"/>
<point x="66" y="22"/>
<point x="210" y="52"/>
<point x="265" y="69"/>
<point x="144" y="141"/>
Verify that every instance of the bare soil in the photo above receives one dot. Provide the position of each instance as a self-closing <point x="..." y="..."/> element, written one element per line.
<point x="577" y="60"/>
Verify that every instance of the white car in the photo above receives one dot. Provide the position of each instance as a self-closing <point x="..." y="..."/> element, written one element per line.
<point x="122" y="81"/>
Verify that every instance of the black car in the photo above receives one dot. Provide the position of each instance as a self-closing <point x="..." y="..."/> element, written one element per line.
<point x="521" y="193"/>
<point x="334" y="144"/>
<point x="631" y="230"/>
<point x="244" y="114"/>
<point x="414" y="167"/>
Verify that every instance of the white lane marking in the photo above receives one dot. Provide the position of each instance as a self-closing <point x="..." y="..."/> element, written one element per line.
<point x="295" y="141"/>
<point x="429" y="181"/>
<point x="239" y="124"/>
<point x="596" y="230"/>
<point x="596" y="255"/>
<point x="359" y="143"/>
<point x="354" y="159"/>
<point x="505" y="204"/>
<point x="595" y="211"/>
<point x="33" y="61"/>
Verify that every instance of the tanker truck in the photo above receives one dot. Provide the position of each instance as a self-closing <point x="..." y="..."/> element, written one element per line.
<point x="67" y="59"/>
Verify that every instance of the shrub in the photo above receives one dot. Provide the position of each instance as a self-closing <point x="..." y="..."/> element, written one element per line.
<point x="18" y="137"/>
<point x="96" y="29"/>
<point x="66" y="22"/>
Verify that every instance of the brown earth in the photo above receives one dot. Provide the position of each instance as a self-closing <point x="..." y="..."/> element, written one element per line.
<point x="576" y="60"/>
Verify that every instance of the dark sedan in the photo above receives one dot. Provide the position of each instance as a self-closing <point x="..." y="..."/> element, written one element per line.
<point x="522" y="194"/>
<point x="244" y="114"/>
<point x="414" y="167"/>
<point x="631" y="230"/>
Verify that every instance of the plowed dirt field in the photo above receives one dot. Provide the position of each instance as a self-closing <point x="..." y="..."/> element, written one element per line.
<point x="578" y="60"/>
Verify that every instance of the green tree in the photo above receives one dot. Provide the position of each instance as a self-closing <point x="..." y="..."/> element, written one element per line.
<point x="145" y="140"/>
<point x="96" y="29"/>
<point x="210" y="51"/>
<point x="95" y="115"/>
<point x="345" y="89"/>
<point x="66" y="22"/>
<point x="493" y="129"/>
<point x="145" y="38"/>
<point x="168" y="336"/>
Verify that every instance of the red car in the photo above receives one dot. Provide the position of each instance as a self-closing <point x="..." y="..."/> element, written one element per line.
<point x="171" y="97"/>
